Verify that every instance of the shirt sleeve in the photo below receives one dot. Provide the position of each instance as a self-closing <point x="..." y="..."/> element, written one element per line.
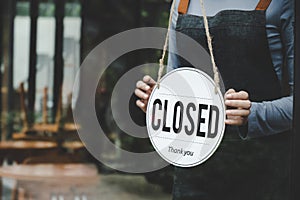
<point x="173" y="61"/>
<point x="270" y="117"/>
<point x="287" y="32"/>
<point x="276" y="116"/>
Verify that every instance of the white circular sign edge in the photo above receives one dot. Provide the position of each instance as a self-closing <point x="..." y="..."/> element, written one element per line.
<point x="209" y="155"/>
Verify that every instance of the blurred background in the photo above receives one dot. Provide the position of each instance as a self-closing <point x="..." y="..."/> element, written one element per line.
<point x="43" y="43"/>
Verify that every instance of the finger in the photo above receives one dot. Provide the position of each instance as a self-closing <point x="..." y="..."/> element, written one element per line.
<point x="229" y="91"/>
<point x="238" y="112"/>
<point x="141" y="105"/>
<point x="147" y="79"/>
<point x="236" y="122"/>
<point x="233" y="117"/>
<point x="142" y="85"/>
<point x="245" y="104"/>
<point x="140" y="94"/>
<point x="238" y="95"/>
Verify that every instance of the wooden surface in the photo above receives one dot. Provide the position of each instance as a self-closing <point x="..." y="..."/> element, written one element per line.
<point x="53" y="128"/>
<point x="21" y="145"/>
<point x="48" y="132"/>
<point x="73" y="145"/>
<point x="108" y="187"/>
<point x="20" y="150"/>
<point x="60" y="173"/>
<point x="33" y="137"/>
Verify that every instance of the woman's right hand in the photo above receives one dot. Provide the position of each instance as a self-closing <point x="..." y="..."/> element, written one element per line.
<point x="143" y="91"/>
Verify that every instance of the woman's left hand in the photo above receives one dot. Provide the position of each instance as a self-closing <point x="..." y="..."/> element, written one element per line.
<point x="238" y="107"/>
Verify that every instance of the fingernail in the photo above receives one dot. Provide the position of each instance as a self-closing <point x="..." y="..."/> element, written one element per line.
<point x="145" y="96"/>
<point x="229" y="95"/>
<point x="227" y="102"/>
<point x="147" y="87"/>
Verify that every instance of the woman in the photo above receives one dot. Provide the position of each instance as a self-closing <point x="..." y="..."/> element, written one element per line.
<point x="242" y="41"/>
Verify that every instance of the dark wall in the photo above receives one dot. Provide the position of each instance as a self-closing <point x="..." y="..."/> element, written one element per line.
<point x="103" y="19"/>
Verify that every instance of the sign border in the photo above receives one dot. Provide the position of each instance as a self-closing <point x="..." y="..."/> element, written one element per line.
<point x="223" y="127"/>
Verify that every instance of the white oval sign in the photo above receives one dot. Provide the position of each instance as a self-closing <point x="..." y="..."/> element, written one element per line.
<point x="186" y="117"/>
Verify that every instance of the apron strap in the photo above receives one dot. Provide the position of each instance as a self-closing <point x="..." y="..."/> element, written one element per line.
<point x="184" y="5"/>
<point x="263" y="4"/>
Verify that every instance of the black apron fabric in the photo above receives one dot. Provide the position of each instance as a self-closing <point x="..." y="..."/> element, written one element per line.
<point x="256" y="169"/>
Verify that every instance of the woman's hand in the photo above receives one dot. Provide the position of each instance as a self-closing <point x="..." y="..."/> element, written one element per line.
<point x="143" y="91"/>
<point x="238" y="107"/>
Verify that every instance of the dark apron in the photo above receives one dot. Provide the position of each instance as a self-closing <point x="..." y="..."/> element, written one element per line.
<point x="255" y="169"/>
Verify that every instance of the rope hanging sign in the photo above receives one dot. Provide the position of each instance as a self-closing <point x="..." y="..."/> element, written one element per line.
<point x="186" y="111"/>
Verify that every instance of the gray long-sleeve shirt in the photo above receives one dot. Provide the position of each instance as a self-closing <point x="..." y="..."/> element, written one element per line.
<point x="269" y="117"/>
